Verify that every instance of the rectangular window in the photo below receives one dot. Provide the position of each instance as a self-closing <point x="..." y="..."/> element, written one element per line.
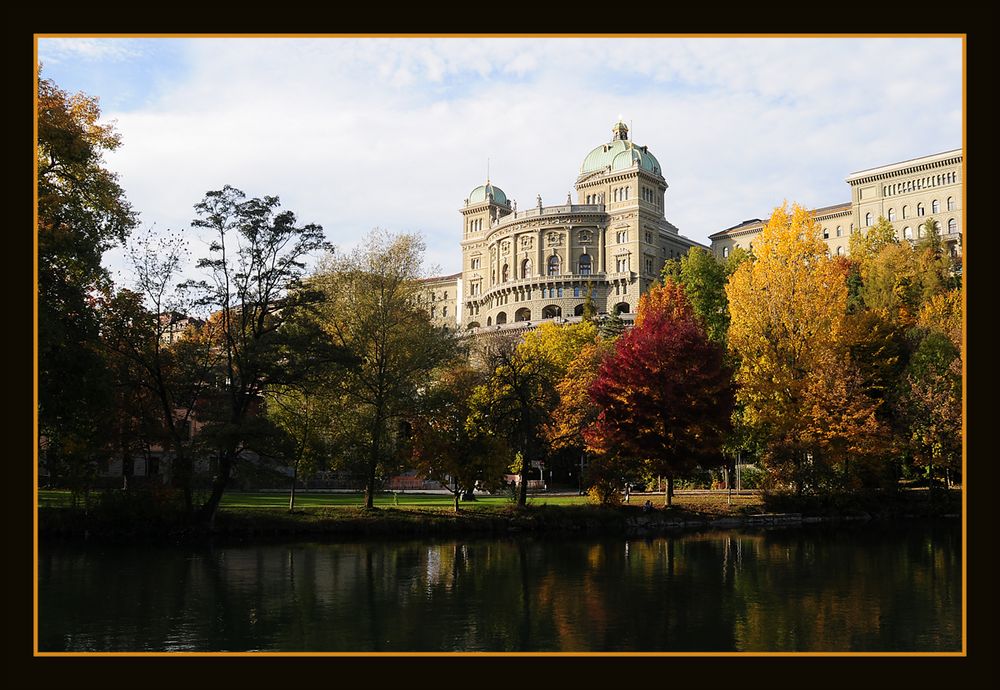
<point x="576" y="291"/>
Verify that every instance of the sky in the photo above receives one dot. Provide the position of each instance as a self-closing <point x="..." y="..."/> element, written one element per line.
<point x="359" y="133"/>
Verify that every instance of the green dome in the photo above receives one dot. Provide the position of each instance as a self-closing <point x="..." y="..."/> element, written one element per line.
<point x="620" y="154"/>
<point x="480" y="194"/>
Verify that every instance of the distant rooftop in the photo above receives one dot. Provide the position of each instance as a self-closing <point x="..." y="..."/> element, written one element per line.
<point x="902" y="164"/>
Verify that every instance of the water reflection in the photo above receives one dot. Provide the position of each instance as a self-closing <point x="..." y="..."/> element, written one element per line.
<point x="797" y="590"/>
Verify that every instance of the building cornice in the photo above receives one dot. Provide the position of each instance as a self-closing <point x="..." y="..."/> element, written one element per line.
<point x="883" y="172"/>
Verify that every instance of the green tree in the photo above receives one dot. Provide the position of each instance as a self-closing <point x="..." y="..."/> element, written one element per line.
<point x="255" y="265"/>
<point x="304" y="415"/>
<point x="448" y="444"/>
<point x="703" y="278"/>
<point x="516" y="399"/>
<point x="82" y="212"/>
<point x="370" y="312"/>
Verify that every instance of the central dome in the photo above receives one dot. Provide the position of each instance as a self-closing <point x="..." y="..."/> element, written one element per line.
<point x="485" y="192"/>
<point x="620" y="154"/>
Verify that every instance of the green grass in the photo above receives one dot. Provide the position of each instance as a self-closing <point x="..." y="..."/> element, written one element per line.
<point x="56" y="498"/>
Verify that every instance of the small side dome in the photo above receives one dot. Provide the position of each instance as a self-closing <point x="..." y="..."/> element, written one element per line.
<point x="483" y="193"/>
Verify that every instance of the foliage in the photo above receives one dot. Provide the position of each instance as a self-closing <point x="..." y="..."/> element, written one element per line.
<point x="665" y="395"/>
<point x="450" y="447"/>
<point x="303" y="415"/>
<point x="82" y="212"/>
<point x="611" y="326"/>
<point x="516" y="397"/>
<point x="576" y="410"/>
<point x="559" y="344"/>
<point x="255" y="263"/>
<point x="790" y="331"/>
<point x="370" y="312"/>
<point x="704" y="280"/>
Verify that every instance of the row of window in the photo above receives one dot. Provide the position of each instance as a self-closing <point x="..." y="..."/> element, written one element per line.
<point x="621" y="236"/>
<point x="595" y="198"/>
<point x="650" y="196"/>
<point x="620" y="194"/>
<point x="444" y="312"/>
<point x="919" y="183"/>
<point x="840" y="232"/>
<point x="921" y="211"/>
<point x="476" y="225"/>
<point x="584" y="266"/>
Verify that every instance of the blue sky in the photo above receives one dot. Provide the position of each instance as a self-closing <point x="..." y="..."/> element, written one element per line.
<point x="394" y="133"/>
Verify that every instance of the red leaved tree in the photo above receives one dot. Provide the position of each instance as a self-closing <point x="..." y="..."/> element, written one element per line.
<point x="666" y="395"/>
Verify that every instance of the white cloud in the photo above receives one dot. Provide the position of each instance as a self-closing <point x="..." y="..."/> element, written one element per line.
<point x="88" y="49"/>
<point x="354" y="134"/>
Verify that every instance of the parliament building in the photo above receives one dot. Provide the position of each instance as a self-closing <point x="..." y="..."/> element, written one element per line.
<point x="524" y="266"/>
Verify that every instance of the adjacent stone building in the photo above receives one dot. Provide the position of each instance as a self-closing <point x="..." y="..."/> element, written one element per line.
<point x="905" y="193"/>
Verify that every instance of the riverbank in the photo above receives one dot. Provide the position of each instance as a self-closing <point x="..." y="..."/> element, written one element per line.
<point x="689" y="512"/>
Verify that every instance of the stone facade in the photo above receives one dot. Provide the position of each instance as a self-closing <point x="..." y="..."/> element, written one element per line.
<point x="905" y="193"/>
<point x="521" y="267"/>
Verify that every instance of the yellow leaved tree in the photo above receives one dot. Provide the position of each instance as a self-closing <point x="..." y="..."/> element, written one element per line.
<point x="791" y="333"/>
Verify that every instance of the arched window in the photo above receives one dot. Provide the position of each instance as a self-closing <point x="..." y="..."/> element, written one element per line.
<point x="920" y="210"/>
<point x="907" y="233"/>
<point x="868" y="220"/>
<point x="920" y="231"/>
<point x="892" y="214"/>
<point x="725" y="252"/>
<point x="840" y="250"/>
<point x="906" y="212"/>
<point x="501" y="318"/>
<point x="578" y="310"/>
<point x="840" y="231"/>
<point x="526" y="268"/>
<point x="951" y="203"/>
<point x="551" y="312"/>
<point x="553" y="265"/>
<point x="506" y="273"/>
<point x="522" y="314"/>
<point x="952" y="225"/>
<point x="622" y="308"/>
<point x="585" y="264"/>
<point x="489" y="320"/>
<point x="935" y="206"/>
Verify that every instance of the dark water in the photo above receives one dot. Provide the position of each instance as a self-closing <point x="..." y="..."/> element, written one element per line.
<point x="811" y="589"/>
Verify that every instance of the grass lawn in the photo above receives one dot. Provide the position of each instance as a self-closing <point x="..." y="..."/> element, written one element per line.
<point x="709" y="503"/>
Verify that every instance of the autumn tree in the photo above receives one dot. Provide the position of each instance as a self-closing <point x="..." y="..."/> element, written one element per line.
<point x="369" y="311"/>
<point x="665" y="395"/>
<point x="255" y="266"/>
<point x="790" y="331"/>
<point x="173" y="365"/>
<point x="448" y="444"/>
<point x="703" y="278"/>
<point x="82" y="212"/>
<point x="516" y="398"/>
<point x="931" y="402"/>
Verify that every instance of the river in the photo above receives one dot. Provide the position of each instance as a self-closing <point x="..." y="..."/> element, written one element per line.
<point x="875" y="587"/>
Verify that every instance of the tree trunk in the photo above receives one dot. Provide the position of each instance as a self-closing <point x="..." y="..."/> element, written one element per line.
<point x="458" y="493"/>
<point x="206" y="516"/>
<point x="670" y="490"/>
<point x="291" y="497"/>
